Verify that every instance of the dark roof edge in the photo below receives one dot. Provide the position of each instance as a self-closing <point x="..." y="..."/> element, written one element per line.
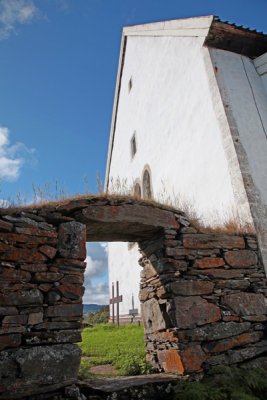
<point x="236" y="39"/>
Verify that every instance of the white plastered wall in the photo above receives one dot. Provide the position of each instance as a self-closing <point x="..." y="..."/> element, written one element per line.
<point x="171" y="111"/>
<point x="177" y="132"/>
<point x="126" y="270"/>
<point x="245" y="102"/>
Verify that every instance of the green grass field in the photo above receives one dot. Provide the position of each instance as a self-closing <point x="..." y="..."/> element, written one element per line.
<point x="122" y="347"/>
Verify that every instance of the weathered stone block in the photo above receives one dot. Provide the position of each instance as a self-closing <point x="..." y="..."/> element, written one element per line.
<point x="170" y="361"/>
<point x="212" y="241"/>
<point x="209" y="262"/>
<point x="12" y="340"/>
<point x="35" y="318"/>
<point x="236" y="341"/>
<point x="5" y="226"/>
<point x="47" y="276"/>
<point x="21" y="298"/>
<point x="73" y="292"/>
<point x="217" y="331"/>
<point x="63" y="336"/>
<point x="14" y="275"/>
<point x="219" y="273"/>
<point x="55" y="325"/>
<point x="65" y="310"/>
<point x="23" y="255"/>
<point x="52" y="297"/>
<point x="15" y="319"/>
<point x="191" y="288"/>
<point x="246" y="303"/>
<point x="9" y="370"/>
<point x="241" y="258"/>
<point x="71" y="240"/>
<point x="240" y="284"/>
<point x="192" y="311"/>
<point x="60" y="361"/>
<point x="152" y="316"/>
<point x="49" y="251"/>
<point x="192" y="358"/>
<point x="8" y="311"/>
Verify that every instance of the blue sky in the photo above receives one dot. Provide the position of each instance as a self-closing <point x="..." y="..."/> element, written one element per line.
<point x="57" y="79"/>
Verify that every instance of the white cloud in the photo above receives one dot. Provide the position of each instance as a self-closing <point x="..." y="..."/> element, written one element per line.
<point x="96" y="293"/>
<point x="97" y="262"/>
<point x="14" y="12"/>
<point x="12" y="158"/>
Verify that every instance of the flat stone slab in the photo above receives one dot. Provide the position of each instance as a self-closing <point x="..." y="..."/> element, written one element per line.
<point x="116" y="383"/>
<point x="103" y="369"/>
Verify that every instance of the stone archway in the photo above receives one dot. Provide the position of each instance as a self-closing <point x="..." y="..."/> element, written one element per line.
<point x="201" y="304"/>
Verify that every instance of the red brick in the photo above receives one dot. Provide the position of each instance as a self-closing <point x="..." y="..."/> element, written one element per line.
<point x="241" y="258"/>
<point x="209" y="262"/>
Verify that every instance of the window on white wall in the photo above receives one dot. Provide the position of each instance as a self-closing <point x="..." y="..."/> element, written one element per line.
<point x="133" y="145"/>
<point x="130" y="84"/>
<point x="147" y="192"/>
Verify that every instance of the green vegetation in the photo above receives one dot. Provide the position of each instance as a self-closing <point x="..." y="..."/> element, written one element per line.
<point x="101" y="316"/>
<point x="225" y="383"/>
<point x="120" y="346"/>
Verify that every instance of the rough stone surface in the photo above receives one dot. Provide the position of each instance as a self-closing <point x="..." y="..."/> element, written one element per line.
<point x="170" y="361"/>
<point x="241" y="258"/>
<point x="193" y="311"/>
<point x="246" y="303"/>
<point x="71" y="240"/>
<point x="152" y="316"/>
<point x="193" y="358"/>
<point x="203" y="294"/>
<point x="191" y="288"/>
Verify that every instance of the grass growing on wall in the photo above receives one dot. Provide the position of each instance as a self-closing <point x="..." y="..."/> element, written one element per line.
<point x="122" y="347"/>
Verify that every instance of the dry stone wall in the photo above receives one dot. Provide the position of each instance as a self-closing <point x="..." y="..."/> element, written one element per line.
<point x="41" y="276"/>
<point x="203" y="295"/>
<point x="203" y="300"/>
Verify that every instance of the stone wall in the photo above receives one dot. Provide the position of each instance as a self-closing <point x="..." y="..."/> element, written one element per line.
<point x="203" y="295"/>
<point x="203" y="300"/>
<point x="41" y="276"/>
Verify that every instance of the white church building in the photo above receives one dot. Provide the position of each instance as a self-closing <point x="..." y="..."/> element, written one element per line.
<point x="189" y="127"/>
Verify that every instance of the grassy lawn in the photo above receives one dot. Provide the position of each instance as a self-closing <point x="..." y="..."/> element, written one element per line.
<point x="122" y="347"/>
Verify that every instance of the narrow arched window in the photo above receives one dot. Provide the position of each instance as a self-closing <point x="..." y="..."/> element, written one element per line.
<point x="147" y="193"/>
<point x="137" y="190"/>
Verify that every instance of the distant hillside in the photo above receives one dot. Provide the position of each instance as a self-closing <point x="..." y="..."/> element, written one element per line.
<point x="91" y="307"/>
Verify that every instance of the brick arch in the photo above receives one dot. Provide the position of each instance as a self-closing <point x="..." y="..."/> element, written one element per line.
<point x="200" y="303"/>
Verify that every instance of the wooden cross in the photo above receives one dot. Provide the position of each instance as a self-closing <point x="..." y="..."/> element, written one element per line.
<point x="113" y="300"/>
